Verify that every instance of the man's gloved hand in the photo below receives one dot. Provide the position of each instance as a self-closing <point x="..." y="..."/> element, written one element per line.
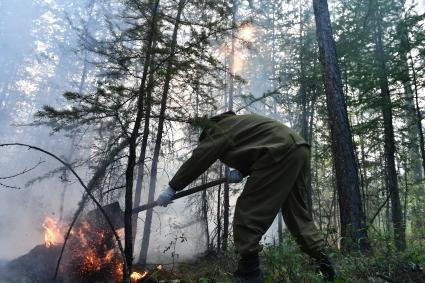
<point x="166" y="196"/>
<point x="234" y="176"/>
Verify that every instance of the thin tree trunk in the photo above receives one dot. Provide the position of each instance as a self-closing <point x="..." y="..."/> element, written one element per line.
<point x="335" y="205"/>
<point x="304" y="102"/>
<point x="154" y="168"/>
<point x="226" y="199"/>
<point x="389" y="141"/>
<point x="418" y="111"/>
<point x="419" y="222"/>
<point x="274" y="103"/>
<point x="143" y="146"/>
<point x="309" y="189"/>
<point x="129" y="174"/>
<point x="226" y="211"/>
<point x="406" y="189"/>
<point x="365" y="185"/>
<point x="302" y="79"/>
<point x="273" y="60"/>
<point x="353" y="229"/>
<point x="218" y="213"/>
<point x="414" y="126"/>
<point x="204" y="209"/>
<point x="359" y="166"/>
<point x="316" y="177"/>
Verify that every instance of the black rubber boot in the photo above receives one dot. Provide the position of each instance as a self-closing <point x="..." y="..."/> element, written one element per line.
<point x="325" y="266"/>
<point x="249" y="270"/>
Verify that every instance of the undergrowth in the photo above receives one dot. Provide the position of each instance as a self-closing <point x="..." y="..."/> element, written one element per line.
<point x="286" y="263"/>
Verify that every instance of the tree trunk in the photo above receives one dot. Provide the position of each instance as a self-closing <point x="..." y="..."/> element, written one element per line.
<point x="316" y="182"/>
<point x="204" y="214"/>
<point x="365" y="185"/>
<point x="129" y="174"/>
<point x="414" y="127"/>
<point x="273" y="60"/>
<point x="389" y="141"/>
<point x="353" y="229"/>
<point x="219" y="213"/>
<point x="226" y="199"/>
<point x="143" y="147"/>
<point x="419" y="221"/>
<point x="154" y="168"/>
<point x="418" y="111"/>
<point x="226" y="211"/>
<point x="304" y="102"/>
<point x="406" y="188"/>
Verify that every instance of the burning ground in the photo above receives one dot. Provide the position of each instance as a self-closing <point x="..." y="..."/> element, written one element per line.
<point x="91" y="255"/>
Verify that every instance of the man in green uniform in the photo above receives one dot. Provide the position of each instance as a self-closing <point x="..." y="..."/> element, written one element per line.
<point x="276" y="159"/>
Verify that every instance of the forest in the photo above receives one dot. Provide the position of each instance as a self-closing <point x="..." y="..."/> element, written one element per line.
<point x="101" y="102"/>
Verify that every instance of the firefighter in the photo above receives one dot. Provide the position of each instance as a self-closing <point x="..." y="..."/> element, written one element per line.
<point x="276" y="159"/>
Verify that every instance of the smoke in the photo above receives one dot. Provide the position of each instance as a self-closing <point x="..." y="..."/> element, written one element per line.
<point x="23" y="210"/>
<point x="38" y="63"/>
<point x="31" y="37"/>
<point x="176" y="221"/>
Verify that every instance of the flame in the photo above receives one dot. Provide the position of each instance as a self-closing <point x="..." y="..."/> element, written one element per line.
<point x="52" y="232"/>
<point x="136" y="276"/>
<point x="92" y="254"/>
<point x="109" y="255"/>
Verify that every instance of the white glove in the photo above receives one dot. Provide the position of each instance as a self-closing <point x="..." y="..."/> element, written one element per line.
<point x="234" y="176"/>
<point x="166" y="196"/>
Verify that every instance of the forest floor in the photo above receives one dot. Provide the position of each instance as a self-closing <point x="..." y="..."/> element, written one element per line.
<point x="280" y="263"/>
<point x="287" y="263"/>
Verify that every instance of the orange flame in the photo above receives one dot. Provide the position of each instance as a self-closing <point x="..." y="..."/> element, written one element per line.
<point x="136" y="276"/>
<point x="52" y="233"/>
<point x="92" y="252"/>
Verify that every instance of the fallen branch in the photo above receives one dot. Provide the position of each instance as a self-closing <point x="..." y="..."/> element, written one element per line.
<point x="99" y="206"/>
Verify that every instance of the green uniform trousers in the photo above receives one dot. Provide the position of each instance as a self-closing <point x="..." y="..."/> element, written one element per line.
<point x="268" y="189"/>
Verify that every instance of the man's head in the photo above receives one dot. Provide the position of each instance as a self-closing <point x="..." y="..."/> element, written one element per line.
<point x="205" y="123"/>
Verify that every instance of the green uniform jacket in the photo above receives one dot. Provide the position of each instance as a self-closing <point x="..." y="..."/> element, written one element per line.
<point x="243" y="142"/>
